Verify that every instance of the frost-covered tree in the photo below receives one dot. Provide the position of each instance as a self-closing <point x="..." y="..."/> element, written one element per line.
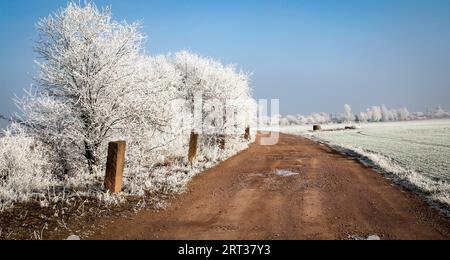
<point x="224" y="92"/>
<point x="315" y="118"/>
<point x="382" y="113"/>
<point x="403" y="114"/>
<point x="320" y="118"/>
<point x="439" y="112"/>
<point x="373" y="114"/>
<point x="385" y="114"/>
<point x="376" y="114"/>
<point x="93" y="83"/>
<point x="348" y="116"/>
<point x="285" y="122"/>
<point x="293" y="120"/>
<point x="362" y="117"/>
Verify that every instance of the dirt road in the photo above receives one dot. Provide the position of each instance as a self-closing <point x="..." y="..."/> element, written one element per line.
<point x="329" y="197"/>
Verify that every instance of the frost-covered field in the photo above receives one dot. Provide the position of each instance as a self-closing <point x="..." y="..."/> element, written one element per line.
<point x="415" y="154"/>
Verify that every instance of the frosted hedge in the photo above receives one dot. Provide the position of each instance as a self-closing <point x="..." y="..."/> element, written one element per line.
<point x="96" y="84"/>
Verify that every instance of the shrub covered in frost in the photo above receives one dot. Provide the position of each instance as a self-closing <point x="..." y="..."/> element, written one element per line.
<point x="95" y="84"/>
<point x="25" y="171"/>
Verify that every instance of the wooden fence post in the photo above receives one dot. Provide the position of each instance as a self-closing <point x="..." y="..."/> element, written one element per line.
<point x="247" y="134"/>
<point x="221" y="141"/>
<point x="114" y="166"/>
<point x="193" y="144"/>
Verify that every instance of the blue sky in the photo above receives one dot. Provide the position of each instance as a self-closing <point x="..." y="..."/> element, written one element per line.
<point x="314" y="55"/>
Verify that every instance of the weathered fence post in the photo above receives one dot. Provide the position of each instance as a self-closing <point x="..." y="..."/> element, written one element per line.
<point x="193" y="144"/>
<point x="247" y="134"/>
<point x="114" y="166"/>
<point x="221" y="141"/>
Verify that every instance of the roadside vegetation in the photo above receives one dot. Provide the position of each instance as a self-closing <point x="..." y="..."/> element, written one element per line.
<point x="95" y="84"/>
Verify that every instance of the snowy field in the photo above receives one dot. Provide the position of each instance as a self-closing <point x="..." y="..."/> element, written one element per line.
<point x="415" y="154"/>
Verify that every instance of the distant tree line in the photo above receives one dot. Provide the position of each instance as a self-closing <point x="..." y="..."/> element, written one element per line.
<point x="372" y="114"/>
